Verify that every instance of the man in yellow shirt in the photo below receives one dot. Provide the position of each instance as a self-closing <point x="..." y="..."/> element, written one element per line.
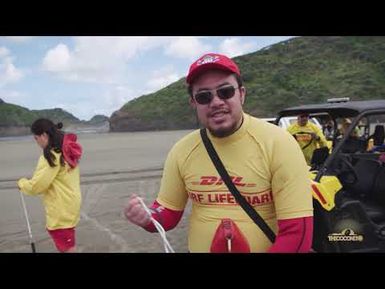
<point x="308" y="135"/>
<point x="263" y="161"/>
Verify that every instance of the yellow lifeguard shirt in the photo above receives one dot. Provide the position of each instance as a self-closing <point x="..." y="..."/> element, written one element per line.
<point x="265" y="164"/>
<point x="304" y="139"/>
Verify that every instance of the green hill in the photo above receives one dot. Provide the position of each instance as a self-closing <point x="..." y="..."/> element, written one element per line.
<point x="297" y="71"/>
<point x="57" y="115"/>
<point x="17" y="120"/>
<point x="98" y="119"/>
<point x="15" y="115"/>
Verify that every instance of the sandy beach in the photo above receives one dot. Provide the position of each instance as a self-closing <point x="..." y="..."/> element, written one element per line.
<point x="114" y="166"/>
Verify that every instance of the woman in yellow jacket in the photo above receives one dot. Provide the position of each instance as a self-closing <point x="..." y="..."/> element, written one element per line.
<point x="57" y="179"/>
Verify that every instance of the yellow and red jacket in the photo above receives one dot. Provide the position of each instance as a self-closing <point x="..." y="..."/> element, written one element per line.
<point x="59" y="187"/>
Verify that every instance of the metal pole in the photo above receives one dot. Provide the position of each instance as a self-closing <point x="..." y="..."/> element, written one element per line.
<point x="28" y="225"/>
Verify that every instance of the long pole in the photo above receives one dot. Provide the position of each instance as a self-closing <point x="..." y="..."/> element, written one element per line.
<point x="28" y="225"/>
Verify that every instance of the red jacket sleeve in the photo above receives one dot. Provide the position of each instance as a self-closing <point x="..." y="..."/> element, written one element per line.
<point x="166" y="217"/>
<point x="294" y="236"/>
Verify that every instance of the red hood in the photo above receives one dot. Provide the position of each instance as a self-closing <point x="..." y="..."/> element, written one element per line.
<point x="72" y="151"/>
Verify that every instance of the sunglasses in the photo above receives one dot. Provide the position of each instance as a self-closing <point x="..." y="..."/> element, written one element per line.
<point x="205" y="97"/>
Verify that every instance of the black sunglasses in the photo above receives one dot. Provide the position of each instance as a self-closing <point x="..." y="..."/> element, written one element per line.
<point x="205" y="97"/>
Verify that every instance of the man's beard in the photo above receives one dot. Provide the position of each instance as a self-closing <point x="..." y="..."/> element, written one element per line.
<point x="221" y="133"/>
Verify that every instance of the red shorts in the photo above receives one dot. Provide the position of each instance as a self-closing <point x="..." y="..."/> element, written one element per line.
<point x="64" y="238"/>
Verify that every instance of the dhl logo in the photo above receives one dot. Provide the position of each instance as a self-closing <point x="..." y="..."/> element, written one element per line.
<point x="303" y="137"/>
<point x="213" y="180"/>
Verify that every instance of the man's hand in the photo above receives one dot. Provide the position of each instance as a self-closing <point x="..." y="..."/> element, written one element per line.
<point x="315" y="136"/>
<point x="135" y="212"/>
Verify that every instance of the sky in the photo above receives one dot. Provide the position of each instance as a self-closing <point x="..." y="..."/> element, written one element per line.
<point x="98" y="75"/>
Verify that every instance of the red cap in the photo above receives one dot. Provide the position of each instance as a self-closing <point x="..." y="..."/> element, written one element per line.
<point x="211" y="61"/>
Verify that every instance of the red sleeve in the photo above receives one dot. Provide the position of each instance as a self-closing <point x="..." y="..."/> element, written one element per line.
<point x="294" y="236"/>
<point x="166" y="217"/>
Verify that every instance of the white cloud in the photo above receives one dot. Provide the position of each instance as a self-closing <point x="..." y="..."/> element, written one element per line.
<point x="187" y="47"/>
<point x="110" y="99"/>
<point x="4" y="52"/>
<point x="8" y="72"/>
<point x="161" y="78"/>
<point x="98" y="59"/>
<point x="162" y="81"/>
<point x="14" y="97"/>
<point x="11" y="73"/>
<point x="235" y="46"/>
<point x="57" y="59"/>
<point x="114" y="98"/>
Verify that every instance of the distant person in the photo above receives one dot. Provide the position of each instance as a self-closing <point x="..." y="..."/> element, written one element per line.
<point x="264" y="162"/>
<point x="345" y="126"/>
<point x="376" y="140"/>
<point x="308" y="135"/>
<point x="57" y="179"/>
<point x="328" y="130"/>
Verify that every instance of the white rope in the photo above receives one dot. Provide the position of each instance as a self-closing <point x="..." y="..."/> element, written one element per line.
<point x="162" y="232"/>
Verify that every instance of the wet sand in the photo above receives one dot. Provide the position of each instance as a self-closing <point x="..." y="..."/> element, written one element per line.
<point x="114" y="166"/>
